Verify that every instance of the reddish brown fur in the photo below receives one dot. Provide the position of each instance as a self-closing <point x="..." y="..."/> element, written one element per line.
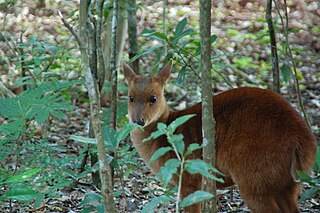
<point x="260" y="141"/>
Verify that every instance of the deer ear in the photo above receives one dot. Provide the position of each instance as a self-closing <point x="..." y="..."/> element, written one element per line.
<point x="128" y="72"/>
<point x="164" y="74"/>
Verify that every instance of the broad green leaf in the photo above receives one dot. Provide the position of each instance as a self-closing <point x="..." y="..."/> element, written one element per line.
<point x="110" y="137"/>
<point x="166" y="172"/>
<point x="149" y="207"/>
<point x="213" y="38"/>
<point x="91" y="198"/>
<point x="185" y="33"/>
<point x="24" y="176"/>
<point x="161" y="131"/>
<point x="126" y="129"/>
<point x="177" y="142"/>
<point x="160" y="152"/>
<point x="154" y="35"/>
<point x="83" y="139"/>
<point x="286" y="72"/>
<point x="196" y="197"/>
<point x="318" y="157"/>
<point x="144" y="52"/>
<point x="161" y="126"/>
<point x="19" y="194"/>
<point x="182" y="74"/>
<point x="192" y="147"/>
<point x="199" y="166"/>
<point x="178" y="122"/>
<point x="310" y="193"/>
<point x="304" y="177"/>
<point x="180" y="26"/>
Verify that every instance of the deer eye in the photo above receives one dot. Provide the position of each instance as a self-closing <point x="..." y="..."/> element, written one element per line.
<point x="131" y="99"/>
<point x="153" y="100"/>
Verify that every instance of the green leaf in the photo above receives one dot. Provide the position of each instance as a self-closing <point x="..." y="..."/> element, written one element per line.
<point x="154" y="35"/>
<point x="149" y="207"/>
<point x="166" y="172"/>
<point x="160" y="152"/>
<point x="178" y="122"/>
<point x="38" y="200"/>
<point x="199" y="166"/>
<point x="310" y="193"/>
<point x="24" y="176"/>
<point x="42" y="116"/>
<point x="110" y="138"/>
<point x="182" y="74"/>
<point x="180" y="26"/>
<point x="286" y="71"/>
<point x="192" y="147"/>
<point x="304" y="177"/>
<point x="318" y="157"/>
<point x="144" y="52"/>
<point x="177" y="142"/>
<point x="9" y="108"/>
<point x="19" y="194"/>
<point x="83" y="139"/>
<point x="185" y="33"/>
<point x="126" y="129"/>
<point x="91" y="198"/>
<point x="196" y="197"/>
<point x="213" y="38"/>
<point x="14" y="128"/>
<point x="161" y="131"/>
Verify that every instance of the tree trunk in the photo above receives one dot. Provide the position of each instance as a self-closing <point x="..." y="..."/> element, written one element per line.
<point x="132" y="33"/>
<point x="122" y="27"/>
<point x="208" y="122"/>
<point x="113" y="66"/>
<point x="105" y="170"/>
<point x="274" y="51"/>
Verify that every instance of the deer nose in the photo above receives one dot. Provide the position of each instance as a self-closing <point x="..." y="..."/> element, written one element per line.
<point x="139" y="121"/>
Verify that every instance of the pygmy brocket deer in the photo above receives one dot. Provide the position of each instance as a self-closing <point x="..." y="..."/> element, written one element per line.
<point x="261" y="141"/>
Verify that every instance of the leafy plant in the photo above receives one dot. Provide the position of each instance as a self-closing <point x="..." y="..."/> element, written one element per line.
<point x="183" y="44"/>
<point x="314" y="182"/>
<point x="179" y="165"/>
<point x="35" y="104"/>
<point x="36" y="166"/>
<point x="122" y="160"/>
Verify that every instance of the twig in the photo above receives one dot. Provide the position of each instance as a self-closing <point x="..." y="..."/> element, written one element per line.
<point x="73" y="32"/>
<point x="290" y="55"/>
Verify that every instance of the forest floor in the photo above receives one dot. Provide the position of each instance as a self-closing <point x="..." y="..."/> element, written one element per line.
<point x="242" y="16"/>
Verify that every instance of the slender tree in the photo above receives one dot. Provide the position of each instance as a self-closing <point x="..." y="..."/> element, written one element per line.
<point x="113" y="66"/>
<point x="164" y="22"/>
<point x="122" y="27"/>
<point x="132" y="34"/>
<point x="208" y="122"/>
<point x="274" y="51"/>
<point x="94" y="97"/>
<point x="105" y="170"/>
<point x="288" y="52"/>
